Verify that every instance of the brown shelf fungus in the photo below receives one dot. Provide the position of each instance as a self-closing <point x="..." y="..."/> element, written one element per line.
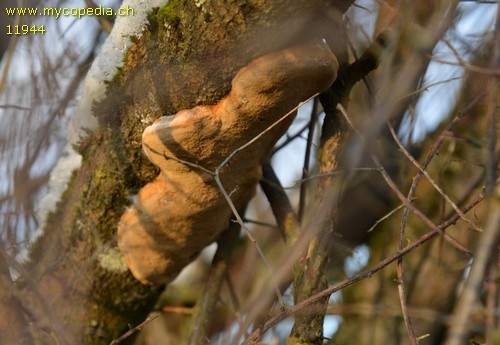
<point x="183" y="210"/>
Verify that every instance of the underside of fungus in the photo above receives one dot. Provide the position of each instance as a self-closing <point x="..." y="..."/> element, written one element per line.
<point x="183" y="210"/>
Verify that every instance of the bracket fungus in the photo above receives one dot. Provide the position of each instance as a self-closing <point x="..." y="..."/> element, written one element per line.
<point x="183" y="210"/>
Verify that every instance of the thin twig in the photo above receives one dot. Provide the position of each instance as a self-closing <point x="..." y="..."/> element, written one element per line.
<point x="189" y="164"/>
<point x="327" y="174"/>
<point x="280" y="203"/>
<point x="258" y="222"/>
<point x="435" y="147"/>
<point x="472" y="68"/>
<point x="493" y="297"/>
<point x="257" y="137"/>
<point x="234" y="300"/>
<point x="400" y="195"/>
<point x="105" y="22"/>
<point x="430" y="179"/>
<point x="400" y="266"/>
<point x="402" y="292"/>
<point x="489" y="238"/>
<point x="13" y="106"/>
<point x="427" y="87"/>
<point x="482" y="1"/>
<point x="205" y="308"/>
<point x="135" y="329"/>
<point x="177" y="310"/>
<point x="291" y="138"/>
<point x="307" y="158"/>
<point x="385" y="217"/>
<point x="8" y="57"/>
<point x="492" y="110"/>
<point x="248" y="233"/>
<point x="382" y="309"/>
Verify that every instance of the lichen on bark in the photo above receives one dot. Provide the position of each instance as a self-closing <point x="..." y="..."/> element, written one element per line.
<point x="187" y="56"/>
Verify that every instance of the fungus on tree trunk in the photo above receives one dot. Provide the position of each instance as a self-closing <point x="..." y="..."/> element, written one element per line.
<point x="183" y="210"/>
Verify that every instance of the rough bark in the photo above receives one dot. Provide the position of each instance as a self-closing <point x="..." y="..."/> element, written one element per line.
<point x="77" y="284"/>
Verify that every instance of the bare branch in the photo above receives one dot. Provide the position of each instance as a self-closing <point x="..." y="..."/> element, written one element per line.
<point x="307" y="158"/>
<point x="489" y="239"/>
<point x="256" y="335"/>
<point x="430" y="179"/>
<point x="400" y="195"/>
<point x="135" y="329"/>
<point x="205" y="308"/>
<point x="280" y="204"/>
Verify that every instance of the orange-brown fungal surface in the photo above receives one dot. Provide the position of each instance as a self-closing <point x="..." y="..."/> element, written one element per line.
<point x="183" y="210"/>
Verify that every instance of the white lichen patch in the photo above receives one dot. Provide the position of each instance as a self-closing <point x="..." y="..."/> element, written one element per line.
<point x="112" y="260"/>
<point x="199" y="3"/>
<point x="103" y="69"/>
<point x="105" y="65"/>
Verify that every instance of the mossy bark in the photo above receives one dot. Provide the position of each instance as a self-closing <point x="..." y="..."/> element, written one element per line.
<point x="78" y="288"/>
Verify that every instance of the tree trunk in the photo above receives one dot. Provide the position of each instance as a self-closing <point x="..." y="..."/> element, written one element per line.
<point x="76" y="284"/>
